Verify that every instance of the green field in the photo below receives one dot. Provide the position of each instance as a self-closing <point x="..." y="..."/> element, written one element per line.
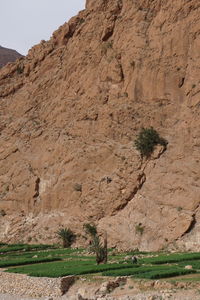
<point x="151" y="272"/>
<point x="51" y="261"/>
<point x="4" y="248"/>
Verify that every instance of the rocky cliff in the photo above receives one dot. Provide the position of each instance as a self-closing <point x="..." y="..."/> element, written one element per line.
<point x="71" y="110"/>
<point x="8" y="55"/>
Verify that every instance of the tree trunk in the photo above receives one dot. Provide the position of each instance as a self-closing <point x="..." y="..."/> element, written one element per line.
<point x="105" y="246"/>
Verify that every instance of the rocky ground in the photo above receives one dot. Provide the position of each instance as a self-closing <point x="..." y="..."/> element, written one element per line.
<point x="14" y="297"/>
<point x="21" y="287"/>
<point x="163" y="295"/>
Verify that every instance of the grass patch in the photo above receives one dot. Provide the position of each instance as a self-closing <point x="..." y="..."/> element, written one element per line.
<point x="137" y="252"/>
<point x="138" y="270"/>
<point x="150" y="272"/>
<point x="171" y="272"/>
<point x="64" y="253"/>
<point x="171" y="258"/>
<point x="194" y="263"/>
<point x="59" y="269"/>
<point x="26" y="261"/>
<point x="24" y="247"/>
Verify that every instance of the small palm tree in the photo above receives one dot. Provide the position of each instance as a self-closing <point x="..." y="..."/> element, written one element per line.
<point x="100" y="249"/>
<point x="67" y="236"/>
<point x="90" y="229"/>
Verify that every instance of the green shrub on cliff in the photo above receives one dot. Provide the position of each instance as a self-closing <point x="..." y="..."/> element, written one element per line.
<point x="146" y="141"/>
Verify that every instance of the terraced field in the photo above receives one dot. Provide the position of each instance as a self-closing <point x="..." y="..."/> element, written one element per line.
<point x="51" y="261"/>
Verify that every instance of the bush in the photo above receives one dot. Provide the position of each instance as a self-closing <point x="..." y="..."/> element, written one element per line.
<point x="20" y="69"/>
<point x="146" y="141"/>
<point x="2" y="213"/>
<point x="139" y="229"/>
<point x="78" y="187"/>
<point x="67" y="236"/>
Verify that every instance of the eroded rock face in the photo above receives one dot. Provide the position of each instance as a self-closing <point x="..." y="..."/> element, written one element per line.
<point x="71" y="109"/>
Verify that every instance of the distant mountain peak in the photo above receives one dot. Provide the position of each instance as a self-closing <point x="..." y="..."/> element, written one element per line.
<point x="8" y="55"/>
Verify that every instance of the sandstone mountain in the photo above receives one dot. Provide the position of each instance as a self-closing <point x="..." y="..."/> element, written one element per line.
<point x="8" y="55"/>
<point x="71" y="110"/>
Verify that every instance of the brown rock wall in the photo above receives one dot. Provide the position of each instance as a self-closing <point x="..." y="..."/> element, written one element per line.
<point x="70" y="112"/>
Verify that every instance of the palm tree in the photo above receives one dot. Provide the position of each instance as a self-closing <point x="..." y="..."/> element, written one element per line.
<point x="100" y="249"/>
<point x="67" y="236"/>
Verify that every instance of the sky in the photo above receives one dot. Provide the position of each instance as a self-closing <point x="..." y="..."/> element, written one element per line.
<point x="24" y="23"/>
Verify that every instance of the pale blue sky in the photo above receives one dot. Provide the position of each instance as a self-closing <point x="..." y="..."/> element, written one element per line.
<point x="24" y="23"/>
